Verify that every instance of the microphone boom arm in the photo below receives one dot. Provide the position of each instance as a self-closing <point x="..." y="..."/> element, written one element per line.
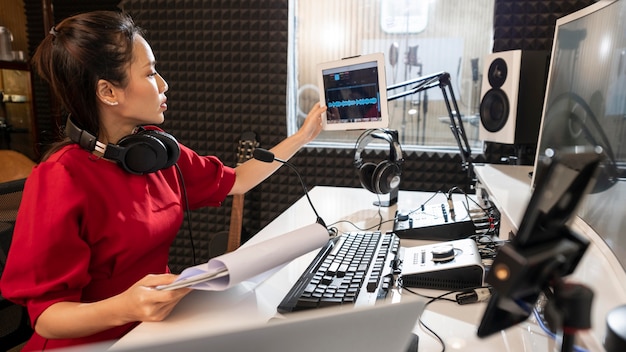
<point x="441" y="80"/>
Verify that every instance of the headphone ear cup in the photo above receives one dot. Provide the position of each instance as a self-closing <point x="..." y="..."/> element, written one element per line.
<point x="171" y="146"/>
<point x="366" y="175"/>
<point x="144" y="153"/>
<point x="386" y="177"/>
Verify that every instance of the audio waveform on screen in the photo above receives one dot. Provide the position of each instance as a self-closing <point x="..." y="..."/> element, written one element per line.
<point x="352" y="102"/>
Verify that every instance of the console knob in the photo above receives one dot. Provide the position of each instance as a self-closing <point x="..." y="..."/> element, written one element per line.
<point x="403" y="215"/>
<point x="443" y="253"/>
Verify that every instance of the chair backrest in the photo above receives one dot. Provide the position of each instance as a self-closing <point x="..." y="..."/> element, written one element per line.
<point x="10" y="198"/>
<point x="15" y="165"/>
<point x="15" y="327"/>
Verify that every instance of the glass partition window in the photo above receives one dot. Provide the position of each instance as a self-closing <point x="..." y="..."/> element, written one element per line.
<point x="417" y="37"/>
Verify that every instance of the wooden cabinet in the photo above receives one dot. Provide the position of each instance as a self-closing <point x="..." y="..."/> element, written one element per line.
<point x="17" y="118"/>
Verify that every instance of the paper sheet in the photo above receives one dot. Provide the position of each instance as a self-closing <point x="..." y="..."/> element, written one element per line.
<point x="229" y="269"/>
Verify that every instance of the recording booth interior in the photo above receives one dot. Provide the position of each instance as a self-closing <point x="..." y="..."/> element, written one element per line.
<point x="451" y="234"/>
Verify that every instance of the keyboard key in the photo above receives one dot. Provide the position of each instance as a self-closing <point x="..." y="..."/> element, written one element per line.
<point x="304" y="303"/>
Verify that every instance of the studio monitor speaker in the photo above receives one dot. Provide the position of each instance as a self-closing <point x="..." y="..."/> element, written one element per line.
<point x="512" y="96"/>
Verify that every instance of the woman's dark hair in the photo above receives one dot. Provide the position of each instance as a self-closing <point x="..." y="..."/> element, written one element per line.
<point x="78" y="52"/>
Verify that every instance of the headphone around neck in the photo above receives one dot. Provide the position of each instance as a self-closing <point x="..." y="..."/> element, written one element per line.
<point x="383" y="177"/>
<point x="141" y="153"/>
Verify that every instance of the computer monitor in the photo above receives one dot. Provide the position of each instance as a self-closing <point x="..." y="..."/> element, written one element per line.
<point x="585" y="104"/>
<point x="354" y="90"/>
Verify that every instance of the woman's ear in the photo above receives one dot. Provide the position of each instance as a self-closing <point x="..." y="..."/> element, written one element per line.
<point x="105" y="92"/>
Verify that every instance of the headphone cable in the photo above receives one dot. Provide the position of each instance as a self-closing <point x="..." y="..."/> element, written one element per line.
<point x="187" y="212"/>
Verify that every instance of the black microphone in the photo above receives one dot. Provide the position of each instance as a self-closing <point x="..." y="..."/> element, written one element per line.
<point x="266" y="156"/>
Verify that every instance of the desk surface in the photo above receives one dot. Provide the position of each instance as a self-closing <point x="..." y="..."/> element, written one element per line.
<point x="510" y="187"/>
<point x="249" y="303"/>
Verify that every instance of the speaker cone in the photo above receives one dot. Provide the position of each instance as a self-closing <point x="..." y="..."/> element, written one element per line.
<point x="494" y="110"/>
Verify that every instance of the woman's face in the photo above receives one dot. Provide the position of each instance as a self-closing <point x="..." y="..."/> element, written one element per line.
<point x="143" y="99"/>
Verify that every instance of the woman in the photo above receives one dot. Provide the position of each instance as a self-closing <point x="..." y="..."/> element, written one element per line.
<point x="96" y="220"/>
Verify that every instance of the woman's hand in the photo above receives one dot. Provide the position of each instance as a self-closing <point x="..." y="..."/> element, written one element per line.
<point x="145" y="303"/>
<point x="140" y="302"/>
<point x="312" y="125"/>
<point x="253" y="172"/>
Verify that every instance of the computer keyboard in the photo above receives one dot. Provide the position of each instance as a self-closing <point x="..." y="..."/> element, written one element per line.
<point x="354" y="268"/>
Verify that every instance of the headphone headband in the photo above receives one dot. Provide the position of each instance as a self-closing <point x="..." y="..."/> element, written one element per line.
<point x="85" y="139"/>
<point x="383" y="177"/>
<point x="391" y="136"/>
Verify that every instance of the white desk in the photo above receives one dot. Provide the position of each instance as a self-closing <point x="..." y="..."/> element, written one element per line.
<point x="205" y="313"/>
<point x="508" y="187"/>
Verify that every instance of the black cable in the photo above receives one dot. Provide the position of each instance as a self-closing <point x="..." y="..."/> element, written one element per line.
<point x="380" y="214"/>
<point x="267" y="156"/>
<point x="359" y="228"/>
<point x="306" y="190"/>
<point x="423" y="295"/>
<point x="187" y="211"/>
<point x="491" y="213"/>
<point x="379" y="225"/>
<point x="431" y="300"/>
<point x="441" y="297"/>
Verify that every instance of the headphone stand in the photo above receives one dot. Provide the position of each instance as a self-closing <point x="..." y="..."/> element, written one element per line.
<point x="393" y="199"/>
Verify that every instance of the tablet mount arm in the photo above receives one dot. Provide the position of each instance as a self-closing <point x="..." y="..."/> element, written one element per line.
<point x="441" y="80"/>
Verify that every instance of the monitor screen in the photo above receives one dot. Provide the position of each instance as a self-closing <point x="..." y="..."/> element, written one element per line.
<point x="585" y="104"/>
<point x="354" y="90"/>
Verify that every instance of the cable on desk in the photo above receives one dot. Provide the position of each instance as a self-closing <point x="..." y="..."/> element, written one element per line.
<point x="489" y="223"/>
<point x="421" y="322"/>
<point x="380" y="223"/>
<point x="525" y="306"/>
<point x="487" y="246"/>
<point x="541" y="322"/>
<point x="356" y="226"/>
<point x="441" y="297"/>
<point x="421" y="206"/>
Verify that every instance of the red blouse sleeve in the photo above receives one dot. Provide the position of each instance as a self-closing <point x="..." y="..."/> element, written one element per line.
<point x="207" y="180"/>
<point x="47" y="229"/>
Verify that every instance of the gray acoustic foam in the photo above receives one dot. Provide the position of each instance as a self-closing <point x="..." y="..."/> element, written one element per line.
<point x="529" y="24"/>
<point x="226" y="65"/>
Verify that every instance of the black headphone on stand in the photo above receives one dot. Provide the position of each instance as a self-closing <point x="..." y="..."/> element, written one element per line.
<point x="144" y="152"/>
<point x="383" y="177"/>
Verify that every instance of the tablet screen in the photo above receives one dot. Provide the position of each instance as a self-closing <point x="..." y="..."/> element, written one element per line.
<point x="355" y="92"/>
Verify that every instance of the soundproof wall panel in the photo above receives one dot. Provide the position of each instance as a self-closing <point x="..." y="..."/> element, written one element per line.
<point x="226" y="66"/>
<point x="529" y="24"/>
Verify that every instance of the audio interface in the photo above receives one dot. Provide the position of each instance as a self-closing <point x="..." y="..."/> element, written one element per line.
<point x="450" y="265"/>
<point x="436" y="222"/>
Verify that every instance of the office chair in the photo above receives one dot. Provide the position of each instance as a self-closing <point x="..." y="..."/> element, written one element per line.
<point x="15" y="165"/>
<point x="15" y="326"/>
